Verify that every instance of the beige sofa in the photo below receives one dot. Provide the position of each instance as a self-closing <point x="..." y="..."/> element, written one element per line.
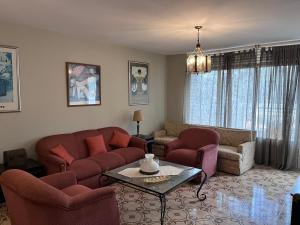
<point x="236" y="150"/>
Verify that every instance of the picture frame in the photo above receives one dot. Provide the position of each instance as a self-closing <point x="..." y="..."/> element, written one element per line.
<point x="138" y="83"/>
<point x="83" y="84"/>
<point x="10" y="100"/>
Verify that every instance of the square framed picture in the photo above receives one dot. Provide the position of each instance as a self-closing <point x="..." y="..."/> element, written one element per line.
<point x="138" y="80"/>
<point x="83" y="84"/>
<point x="9" y="79"/>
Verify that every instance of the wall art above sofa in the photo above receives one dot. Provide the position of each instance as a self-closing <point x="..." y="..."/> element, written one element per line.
<point x="83" y="84"/>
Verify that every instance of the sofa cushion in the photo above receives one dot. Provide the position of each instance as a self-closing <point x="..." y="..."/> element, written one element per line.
<point x="187" y="157"/>
<point x="85" y="168"/>
<point x="107" y="133"/>
<point x="108" y="160"/>
<point x="75" y="190"/>
<point x="229" y="152"/>
<point x="96" y="144"/>
<point x="61" y="152"/>
<point x="119" y="140"/>
<point x="164" y="140"/>
<point x="130" y="154"/>
<point x="80" y="137"/>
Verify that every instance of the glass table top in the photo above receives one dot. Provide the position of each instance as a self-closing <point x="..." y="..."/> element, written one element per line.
<point x="160" y="188"/>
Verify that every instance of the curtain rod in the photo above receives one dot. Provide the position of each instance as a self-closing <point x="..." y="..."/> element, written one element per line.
<point x="247" y="47"/>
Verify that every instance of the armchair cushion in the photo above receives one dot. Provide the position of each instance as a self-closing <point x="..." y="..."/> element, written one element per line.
<point x="229" y="152"/>
<point x="187" y="157"/>
<point x="130" y="154"/>
<point x="120" y="140"/>
<point x="75" y="190"/>
<point x="61" y="152"/>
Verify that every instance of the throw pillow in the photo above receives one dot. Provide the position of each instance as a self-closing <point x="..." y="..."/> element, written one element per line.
<point x="120" y="140"/>
<point x="96" y="144"/>
<point x="61" y="152"/>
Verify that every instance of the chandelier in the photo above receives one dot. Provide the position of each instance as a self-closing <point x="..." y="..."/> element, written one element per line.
<point x="198" y="62"/>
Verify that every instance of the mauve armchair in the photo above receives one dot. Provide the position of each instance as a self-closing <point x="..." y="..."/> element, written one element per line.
<point x="196" y="147"/>
<point x="56" y="200"/>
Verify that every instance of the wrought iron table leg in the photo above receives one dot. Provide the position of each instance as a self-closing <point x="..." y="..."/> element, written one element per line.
<point x="201" y="184"/>
<point x="162" y="199"/>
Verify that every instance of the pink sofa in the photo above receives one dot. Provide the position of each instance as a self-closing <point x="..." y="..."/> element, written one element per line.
<point x="88" y="169"/>
<point x="56" y="200"/>
<point x="196" y="147"/>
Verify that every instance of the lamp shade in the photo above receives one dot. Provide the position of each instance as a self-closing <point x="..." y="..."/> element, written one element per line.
<point x="137" y="115"/>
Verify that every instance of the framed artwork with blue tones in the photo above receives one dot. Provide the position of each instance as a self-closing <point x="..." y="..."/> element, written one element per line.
<point x="9" y="79"/>
<point x="138" y="80"/>
<point x="83" y="84"/>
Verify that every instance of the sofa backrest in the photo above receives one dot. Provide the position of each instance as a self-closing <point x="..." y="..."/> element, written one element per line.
<point x="80" y="137"/>
<point x="235" y="137"/>
<point x="228" y="136"/>
<point x="174" y="128"/>
<point x="75" y="143"/>
<point x="44" y="145"/>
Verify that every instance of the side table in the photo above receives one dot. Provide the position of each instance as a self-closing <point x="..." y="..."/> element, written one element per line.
<point x="31" y="166"/>
<point x="149" y="141"/>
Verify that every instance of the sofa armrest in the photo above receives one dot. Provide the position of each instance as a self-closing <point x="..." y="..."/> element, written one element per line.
<point x="173" y="145"/>
<point x="247" y="150"/>
<point x="60" y="180"/>
<point x="138" y="143"/>
<point x="93" y="196"/>
<point x="160" y="133"/>
<point x="246" y="147"/>
<point x="53" y="163"/>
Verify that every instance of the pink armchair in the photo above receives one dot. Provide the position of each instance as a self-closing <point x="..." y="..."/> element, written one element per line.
<point x="196" y="147"/>
<point x="56" y="199"/>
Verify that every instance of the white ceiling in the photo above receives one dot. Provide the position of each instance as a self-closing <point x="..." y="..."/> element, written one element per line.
<point x="162" y="26"/>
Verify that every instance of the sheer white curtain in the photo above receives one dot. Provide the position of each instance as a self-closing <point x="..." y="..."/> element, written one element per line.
<point x="201" y="99"/>
<point x="264" y="96"/>
<point x="223" y="97"/>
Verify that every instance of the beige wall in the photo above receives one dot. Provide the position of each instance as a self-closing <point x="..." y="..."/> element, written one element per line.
<point x="43" y="87"/>
<point x="175" y="86"/>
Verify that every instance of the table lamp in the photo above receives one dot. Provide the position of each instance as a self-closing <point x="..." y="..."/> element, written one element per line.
<point x="138" y="116"/>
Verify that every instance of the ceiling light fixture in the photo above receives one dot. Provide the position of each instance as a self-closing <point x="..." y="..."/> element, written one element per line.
<point x="198" y="62"/>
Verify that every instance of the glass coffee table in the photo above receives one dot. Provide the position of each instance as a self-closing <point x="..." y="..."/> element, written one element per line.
<point x="159" y="189"/>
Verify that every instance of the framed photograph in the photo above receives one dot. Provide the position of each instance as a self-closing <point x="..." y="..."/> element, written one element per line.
<point x="138" y="79"/>
<point x="9" y="79"/>
<point x="83" y="84"/>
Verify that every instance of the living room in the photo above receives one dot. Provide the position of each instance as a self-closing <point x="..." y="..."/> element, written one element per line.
<point x="224" y="131"/>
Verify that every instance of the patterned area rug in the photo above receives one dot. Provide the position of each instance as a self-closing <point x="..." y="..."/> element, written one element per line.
<point x="259" y="197"/>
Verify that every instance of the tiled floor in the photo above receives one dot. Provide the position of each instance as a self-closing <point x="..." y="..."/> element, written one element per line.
<point x="260" y="196"/>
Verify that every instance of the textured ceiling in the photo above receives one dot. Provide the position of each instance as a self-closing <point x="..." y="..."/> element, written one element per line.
<point x="161" y="26"/>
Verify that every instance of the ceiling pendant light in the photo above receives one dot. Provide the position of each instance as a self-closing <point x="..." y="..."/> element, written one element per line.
<point x="198" y="62"/>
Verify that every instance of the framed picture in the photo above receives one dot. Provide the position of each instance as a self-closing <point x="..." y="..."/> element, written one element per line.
<point x="9" y="79"/>
<point x="138" y="79"/>
<point x="83" y="84"/>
